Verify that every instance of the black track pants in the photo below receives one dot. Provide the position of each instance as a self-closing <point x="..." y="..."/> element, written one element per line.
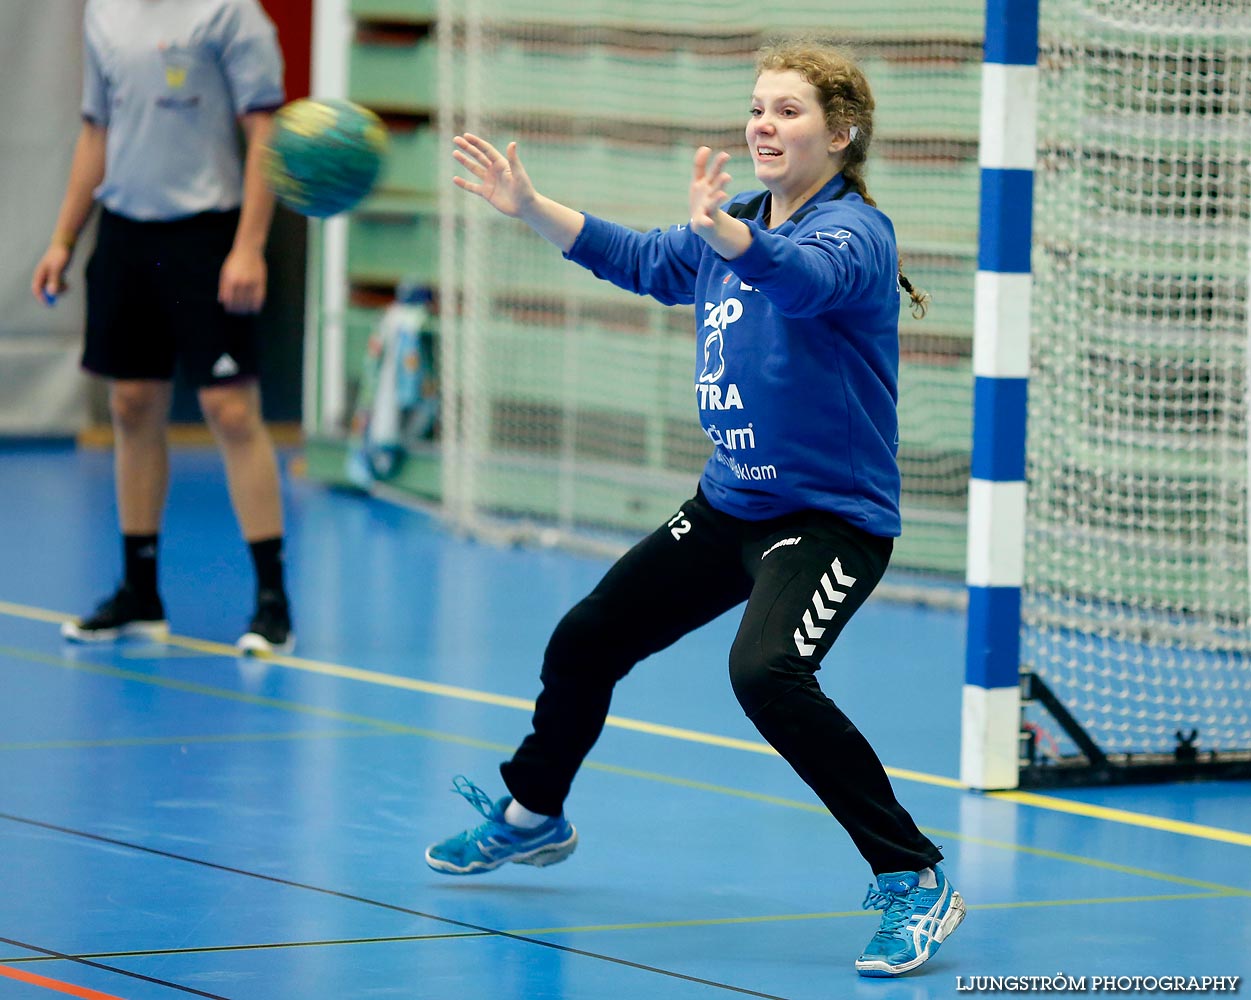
<point x="803" y="576"/>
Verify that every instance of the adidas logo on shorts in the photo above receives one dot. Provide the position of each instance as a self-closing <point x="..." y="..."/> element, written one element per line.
<point x="225" y="366"/>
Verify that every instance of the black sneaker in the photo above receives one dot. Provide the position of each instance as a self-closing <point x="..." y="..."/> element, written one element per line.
<point x="126" y="613"/>
<point x="270" y="630"/>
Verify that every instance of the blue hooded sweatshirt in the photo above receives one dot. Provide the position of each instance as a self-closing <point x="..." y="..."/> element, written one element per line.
<point x="797" y="352"/>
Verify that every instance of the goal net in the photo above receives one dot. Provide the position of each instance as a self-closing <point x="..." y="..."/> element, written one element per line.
<point x="569" y="411"/>
<point x="1135" y="603"/>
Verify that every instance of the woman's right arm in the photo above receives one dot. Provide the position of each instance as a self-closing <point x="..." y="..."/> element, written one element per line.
<point x="504" y="184"/>
<point x="86" y="173"/>
<point x="660" y="264"/>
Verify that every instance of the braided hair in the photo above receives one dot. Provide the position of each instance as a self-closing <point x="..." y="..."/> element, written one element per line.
<point x="847" y="101"/>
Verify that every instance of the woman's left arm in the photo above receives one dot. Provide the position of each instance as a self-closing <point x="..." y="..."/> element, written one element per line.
<point x="820" y="266"/>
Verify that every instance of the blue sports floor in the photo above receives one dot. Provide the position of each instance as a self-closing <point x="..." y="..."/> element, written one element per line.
<point x="175" y="821"/>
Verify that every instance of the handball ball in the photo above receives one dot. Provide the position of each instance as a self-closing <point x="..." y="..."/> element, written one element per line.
<point x="323" y="157"/>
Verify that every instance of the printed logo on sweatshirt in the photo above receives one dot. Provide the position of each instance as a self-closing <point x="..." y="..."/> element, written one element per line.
<point x="753" y="472"/>
<point x="719" y="316"/>
<point x="714" y="358"/>
<point x="732" y="438"/>
<point x="712" y="398"/>
<point x="841" y="237"/>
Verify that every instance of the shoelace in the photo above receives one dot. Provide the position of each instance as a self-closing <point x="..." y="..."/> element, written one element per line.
<point x="897" y="908"/>
<point x="474" y="795"/>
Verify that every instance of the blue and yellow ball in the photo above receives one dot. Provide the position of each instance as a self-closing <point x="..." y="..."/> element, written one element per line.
<point x="324" y="156"/>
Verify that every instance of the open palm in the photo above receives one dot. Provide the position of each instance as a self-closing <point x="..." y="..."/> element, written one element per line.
<point x="502" y="180"/>
<point x="708" y="184"/>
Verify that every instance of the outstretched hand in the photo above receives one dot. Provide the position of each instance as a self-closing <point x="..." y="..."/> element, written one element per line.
<point x="728" y="236"/>
<point x="502" y="180"/>
<point x="708" y="184"/>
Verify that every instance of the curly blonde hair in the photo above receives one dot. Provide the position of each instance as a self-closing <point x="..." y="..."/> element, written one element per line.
<point x="847" y="101"/>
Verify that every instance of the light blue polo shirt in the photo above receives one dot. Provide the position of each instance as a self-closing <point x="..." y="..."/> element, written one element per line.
<point x="169" y="80"/>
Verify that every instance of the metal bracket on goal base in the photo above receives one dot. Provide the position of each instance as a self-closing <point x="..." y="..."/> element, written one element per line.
<point x="1091" y="766"/>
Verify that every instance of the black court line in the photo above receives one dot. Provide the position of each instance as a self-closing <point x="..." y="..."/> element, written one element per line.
<point x="395" y="908"/>
<point x="111" y="968"/>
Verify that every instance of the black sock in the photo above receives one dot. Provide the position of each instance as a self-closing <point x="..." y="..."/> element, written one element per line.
<point x="139" y="552"/>
<point x="267" y="558"/>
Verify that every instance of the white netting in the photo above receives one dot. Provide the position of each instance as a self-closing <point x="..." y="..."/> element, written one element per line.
<point x="569" y="403"/>
<point x="1136" y="599"/>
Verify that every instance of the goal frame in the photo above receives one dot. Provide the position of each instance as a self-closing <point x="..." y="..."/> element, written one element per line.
<point x="999" y="750"/>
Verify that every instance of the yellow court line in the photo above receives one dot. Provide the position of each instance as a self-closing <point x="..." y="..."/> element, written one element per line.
<point x="814" y="807"/>
<point x="158" y="651"/>
<point x="154" y="741"/>
<point x="377" y="678"/>
<point x="845" y="914"/>
<point x="396" y="728"/>
<point x="358" y="674"/>
<point x="1124" y="816"/>
<point x="262" y="701"/>
<point x="1112" y="866"/>
<point x="602" y="928"/>
<point x="524" y="704"/>
<point x="35" y="614"/>
<point x="661" y="925"/>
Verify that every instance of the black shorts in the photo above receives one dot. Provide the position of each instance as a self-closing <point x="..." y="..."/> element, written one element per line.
<point x="152" y="302"/>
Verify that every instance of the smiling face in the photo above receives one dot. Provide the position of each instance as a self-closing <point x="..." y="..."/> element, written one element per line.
<point x="792" y="149"/>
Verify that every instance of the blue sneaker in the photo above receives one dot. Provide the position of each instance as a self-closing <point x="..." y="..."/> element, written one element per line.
<point x="916" y="921"/>
<point x="496" y="843"/>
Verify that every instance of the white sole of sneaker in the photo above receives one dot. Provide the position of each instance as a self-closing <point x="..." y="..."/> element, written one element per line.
<point x="551" y="854"/>
<point x="548" y="854"/>
<point x="253" y="644"/>
<point x="153" y="631"/>
<point x="878" y="969"/>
